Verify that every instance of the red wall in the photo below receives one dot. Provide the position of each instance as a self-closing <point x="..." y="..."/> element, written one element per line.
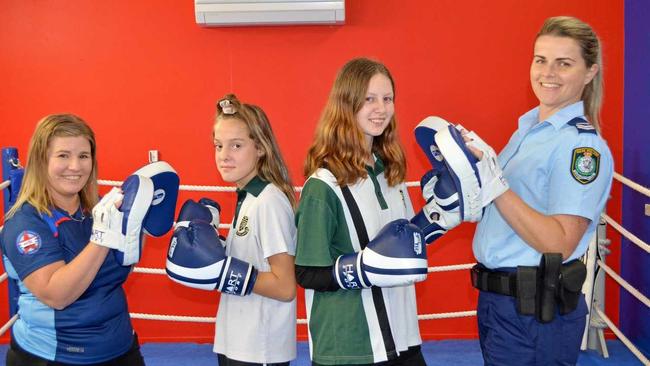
<point x="147" y="77"/>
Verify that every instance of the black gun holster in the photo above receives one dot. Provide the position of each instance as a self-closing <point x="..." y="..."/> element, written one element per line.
<point x="547" y="286"/>
<point x="541" y="289"/>
<point x="572" y="276"/>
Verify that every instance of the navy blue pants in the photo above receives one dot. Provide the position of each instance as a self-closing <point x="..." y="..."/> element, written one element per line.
<point x="508" y="338"/>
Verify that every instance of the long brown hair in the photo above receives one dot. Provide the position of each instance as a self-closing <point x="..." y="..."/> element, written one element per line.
<point x="339" y="143"/>
<point x="584" y="35"/>
<point x="270" y="166"/>
<point x="34" y="188"/>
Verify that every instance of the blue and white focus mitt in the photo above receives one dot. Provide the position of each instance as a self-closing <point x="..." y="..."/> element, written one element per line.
<point x="163" y="206"/>
<point x="121" y="228"/>
<point x="445" y="148"/>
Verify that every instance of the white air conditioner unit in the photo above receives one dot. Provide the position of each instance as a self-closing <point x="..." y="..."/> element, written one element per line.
<point x="268" y="12"/>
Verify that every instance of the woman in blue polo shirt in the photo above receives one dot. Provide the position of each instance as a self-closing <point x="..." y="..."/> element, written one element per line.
<point x="71" y="306"/>
<point x="559" y="170"/>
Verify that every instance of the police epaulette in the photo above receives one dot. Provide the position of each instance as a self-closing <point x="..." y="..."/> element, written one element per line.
<point x="582" y="125"/>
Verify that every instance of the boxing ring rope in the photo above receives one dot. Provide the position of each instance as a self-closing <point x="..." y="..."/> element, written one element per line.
<point x="8" y="324"/>
<point x="624" y="283"/>
<point x="596" y="305"/>
<point x="182" y="318"/>
<point x="201" y="188"/>
<point x="621" y="336"/>
<point x="597" y="319"/>
<point x="635" y="186"/>
<point x="207" y="319"/>
<point x="628" y="235"/>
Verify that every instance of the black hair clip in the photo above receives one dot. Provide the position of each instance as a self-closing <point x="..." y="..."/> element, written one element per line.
<point x="227" y="107"/>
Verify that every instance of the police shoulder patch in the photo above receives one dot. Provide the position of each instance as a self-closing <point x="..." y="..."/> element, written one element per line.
<point x="585" y="163"/>
<point x="28" y="242"/>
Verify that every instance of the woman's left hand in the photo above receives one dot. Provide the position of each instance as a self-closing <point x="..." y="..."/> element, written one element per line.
<point x="477" y="153"/>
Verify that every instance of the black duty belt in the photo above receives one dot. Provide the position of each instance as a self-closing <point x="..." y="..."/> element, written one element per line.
<point x="540" y="290"/>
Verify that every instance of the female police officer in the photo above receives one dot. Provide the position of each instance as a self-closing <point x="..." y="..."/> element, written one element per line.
<point x="559" y="172"/>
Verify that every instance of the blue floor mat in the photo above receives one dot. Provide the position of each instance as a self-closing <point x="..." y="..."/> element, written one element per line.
<point x="436" y="353"/>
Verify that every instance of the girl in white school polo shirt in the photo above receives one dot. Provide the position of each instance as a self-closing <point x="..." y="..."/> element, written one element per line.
<point x="259" y="328"/>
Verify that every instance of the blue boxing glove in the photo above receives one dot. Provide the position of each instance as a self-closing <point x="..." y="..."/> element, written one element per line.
<point x="441" y="211"/>
<point x="205" y="210"/>
<point x="166" y="184"/>
<point x="197" y="259"/>
<point x="395" y="257"/>
<point x="121" y="229"/>
<point x="215" y="211"/>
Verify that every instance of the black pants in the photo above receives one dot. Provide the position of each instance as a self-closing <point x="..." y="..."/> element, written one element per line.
<point x="411" y="357"/>
<point x="225" y="361"/>
<point x="17" y="356"/>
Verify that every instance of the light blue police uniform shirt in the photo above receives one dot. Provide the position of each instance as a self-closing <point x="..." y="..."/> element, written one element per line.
<point x="556" y="166"/>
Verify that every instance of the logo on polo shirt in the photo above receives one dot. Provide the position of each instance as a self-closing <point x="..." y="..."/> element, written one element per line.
<point x="28" y="242"/>
<point x="243" y="227"/>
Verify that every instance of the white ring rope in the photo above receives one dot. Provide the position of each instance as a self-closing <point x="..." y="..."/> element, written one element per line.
<point x="633" y="238"/>
<point x="621" y="336"/>
<point x="635" y="186"/>
<point x="186" y="187"/>
<point x="453" y="267"/>
<point x="641" y="297"/>
<point x="5" y="184"/>
<point x="3" y="277"/>
<point x="203" y="188"/>
<point x="8" y="324"/>
<point x="159" y="271"/>
<point x="176" y="318"/>
<point x="455" y="314"/>
<point x="113" y="183"/>
<point x="207" y="319"/>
